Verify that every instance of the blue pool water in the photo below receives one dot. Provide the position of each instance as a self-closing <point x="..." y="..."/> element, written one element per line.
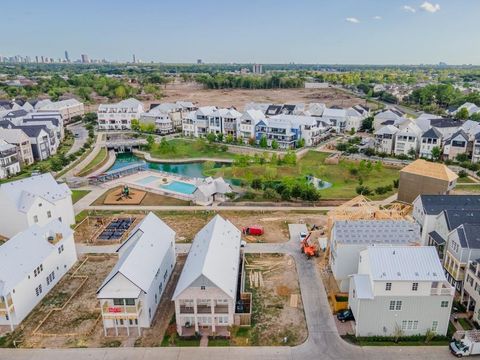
<point x="180" y="187"/>
<point x="147" y="180"/>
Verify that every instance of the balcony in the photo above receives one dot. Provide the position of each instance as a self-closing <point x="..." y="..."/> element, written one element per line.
<point x="6" y="305"/>
<point x="121" y="310"/>
<point x="444" y="290"/>
<point x="186" y="309"/>
<point x="204" y="309"/>
<point x="221" y="309"/>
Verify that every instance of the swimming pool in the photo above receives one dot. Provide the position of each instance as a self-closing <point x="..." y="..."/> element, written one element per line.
<point x="147" y="180"/>
<point x="180" y="187"/>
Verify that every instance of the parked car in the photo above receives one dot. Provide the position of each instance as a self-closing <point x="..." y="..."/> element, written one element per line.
<point x="465" y="343"/>
<point x="243" y="243"/>
<point x="345" y="315"/>
<point x="253" y="230"/>
<point x="303" y="235"/>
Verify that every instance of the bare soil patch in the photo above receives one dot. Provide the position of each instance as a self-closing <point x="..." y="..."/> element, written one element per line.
<point x="149" y="199"/>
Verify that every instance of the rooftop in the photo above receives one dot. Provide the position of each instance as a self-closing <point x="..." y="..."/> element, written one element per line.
<point x="430" y="169"/>
<point x="435" y="204"/>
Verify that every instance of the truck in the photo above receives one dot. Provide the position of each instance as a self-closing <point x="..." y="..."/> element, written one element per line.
<point x="465" y="343"/>
<point x="253" y="230"/>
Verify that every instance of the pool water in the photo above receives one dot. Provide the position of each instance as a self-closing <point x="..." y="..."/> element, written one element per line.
<point x="194" y="169"/>
<point x="180" y="187"/>
<point x="147" y="180"/>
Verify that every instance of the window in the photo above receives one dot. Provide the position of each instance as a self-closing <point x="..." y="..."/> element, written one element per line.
<point x="409" y="324"/>
<point x="38" y="270"/>
<point x="202" y="287"/>
<point x="388" y="286"/>
<point x="149" y="313"/>
<point x="35" y="219"/>
<point x="6" y="317"/>
<point x="398" y="305"/>
<point x="38" y="290"/>
<point x="392" y="305"/>
<point x="60" y="219"/>
<point x="444" y="304"/>
<point x="130" y="321"/>
<point x="117" y="302"/>
<point x="49" y="214"/>
<point x="165" y="275"/>
<point x="415" y="286"/>
<point x="395" y="305"/>
<point x="60" y="249"/>
<point x="160" y="288"/>
<point x="434" y="326"/>
<point x="50" y="277"/>
<point x="130" y="302"/>
<point x="156" y="298"/>
<point x="121" y="321"/>
<point x="39" y="204"/>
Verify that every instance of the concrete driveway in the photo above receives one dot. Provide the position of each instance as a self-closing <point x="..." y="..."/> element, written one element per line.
<point x="80" y="140"/>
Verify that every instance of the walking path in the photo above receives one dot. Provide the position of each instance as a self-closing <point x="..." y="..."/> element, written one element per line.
<point x="77" y="168"/>
<point x="323" y="340"/>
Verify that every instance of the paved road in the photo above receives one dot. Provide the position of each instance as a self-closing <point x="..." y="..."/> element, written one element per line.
<point x="323" y="340"/>
<point x="82" y="138"/>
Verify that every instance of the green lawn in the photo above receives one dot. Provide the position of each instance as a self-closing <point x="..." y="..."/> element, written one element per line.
<point x="465" y="180"/>
<point x="468" y="188"/>
<point x="465" y="324"/>
<point x="407" y="341"/>
<point x="218" y="342"/>
<point x="100" y="158"/>
<point x="344" y="177"/>
<point x="181" y="148"/>
<point x="78" y="194"/>
<point x="178" y="341"/>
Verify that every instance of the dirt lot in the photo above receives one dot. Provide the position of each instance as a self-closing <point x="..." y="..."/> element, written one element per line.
<point x="88" y="230"/>
<point x="148" y="200"/>
<point x="240" y="97"/>
<point x="278" y="317"/>
<point x="75" y="323"/>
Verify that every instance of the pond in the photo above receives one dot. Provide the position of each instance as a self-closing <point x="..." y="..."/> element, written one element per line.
<point x="193" y="169"/>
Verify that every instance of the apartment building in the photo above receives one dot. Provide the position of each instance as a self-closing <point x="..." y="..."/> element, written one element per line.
<point x="385" y="139"/>
<point x="119" y="116"/>
<point x="207" y="291"/>
<point x="18" y="138"/>
<point x="68" y="108"/>
<point x="476" y="148"/>
<point x="224" y="121"/>
<point x="349" y="238"/>
<point x="196" y="123"/>
<point x="400" y="290"/>
<point x="130" y="294"/>
<point x="337" y="118"/>
<point x="31" y="264"/>
<point x="424" y="177"/>
<point x="160" y="119"/>
<point x="9" y="164"/>
<point x="471" y="289"/>
<point x="35" y="200"/>
<point x="279" y="130"/>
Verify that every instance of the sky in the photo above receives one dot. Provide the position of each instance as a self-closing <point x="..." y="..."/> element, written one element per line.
<point x="260" y="31"/>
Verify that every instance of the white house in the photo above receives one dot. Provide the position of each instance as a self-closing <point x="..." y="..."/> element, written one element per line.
<point x="130" y="294"/>
<point x="355" y="117"/>
<point x="119" y="116"/>
<point x="206" y="294"/>
<point x="247" y="122"/>
<point x="387" y="117"/>
<point x="35" y="200"/>
<point x="349" y="238"/>
<point x="400" y="291"/>
<point x="224" y="121"/>
<point x="210" y="190"/>
<point x="67" y="108"/>
<point x="305" y="126"/>
<point x="31" y="263"/>
<point x="471" y="108"/>
<point x="385" y="139"/>
<point x="430" y="139"/>
<point x="160" y="119"/>
<point x="408" y="138"/>
<point x="9" y="163"/>
<point x="196" y="123"/>
<point x="455" y="145"/>
<point x="18" y="138"/>
<point x="337" y="118"/>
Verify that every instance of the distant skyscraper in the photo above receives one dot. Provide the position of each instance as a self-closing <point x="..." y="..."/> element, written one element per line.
<point x="134" y="60"/>
<point x="67" y="58"/>
<point x="199" y="61"/>
<point x="42" y="60"/>
<point x="257" y="68"/>
<point x="85" y="59"/>
<point x="36" y="59"/>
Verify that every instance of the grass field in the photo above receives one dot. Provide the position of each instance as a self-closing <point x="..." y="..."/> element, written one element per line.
<point x="78" y="194"/>
<point x="467" y="189"/>
<point x="344" y="177"/>
<point x="181" y="148"/>
<point x="97" y="160"/>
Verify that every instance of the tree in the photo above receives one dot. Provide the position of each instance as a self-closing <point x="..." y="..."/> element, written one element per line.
<point x="229" y="138"/>
<point x="286" y="194"/>
<point x="135" y="125"/>
<point x="274" y="144"/>
<point x="462" y="114"/>
<point x="461" y="158"/>
<point x="369" y="152"/>
<point x="251" y="141"/>
<point x="263" y="142"/>
<point x="121" y="92"/>
<point x="150" y="142"/>
<point x="367" y="124"/>
<point x="412" y="153"/>
<point x="301" y="143"/>
<point x="436" y="153"/>
<point x="256" y="183"/>
<point x="211" y="137"/>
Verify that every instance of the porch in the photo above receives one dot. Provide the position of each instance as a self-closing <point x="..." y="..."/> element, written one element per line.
<point x="206" y="331"/>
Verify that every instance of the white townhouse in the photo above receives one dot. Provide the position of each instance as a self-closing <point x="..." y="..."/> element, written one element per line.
<point x="22" y="142"/>
<point x="130" y="294"/>
<point x="455" y="145"/>
<point x="224" y="121"/>
<point x="355" y="117"/>
<point x="400" y="291"/>
<point x="247" y="122"/>
<point x="349" y="238"/>
<point x="68" y="108"/>
<point x="119" y="116"/>
<point x="316" y="109"/>
<point x="385" y="139"/>
<point x="35" y="200"/>
<point x="476" y="148"/>
<point x="471" y="108"/>
<point x="306" y="127"/>
<point x="9" y="163"/>
<point x="337" y="118"/>
<point x="407" y="138"/>
<point x="387" y="117"/>
<point x="160" y="119"/>
<point x="430" y="139"/>
<point x="196" y="123"/>
<point x="206" y="293"/>
<point x="31" y="263"/>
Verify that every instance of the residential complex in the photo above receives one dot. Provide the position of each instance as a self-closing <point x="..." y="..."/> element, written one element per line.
<point x="9" y="163"/>
<point x="119" y="116"/>
<point x="400" y="290"/>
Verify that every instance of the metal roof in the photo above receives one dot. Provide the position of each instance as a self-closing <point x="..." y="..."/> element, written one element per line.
<point x="404" y="263"/>
<point x="215" y="255"/>
<point x="400" y="232"/>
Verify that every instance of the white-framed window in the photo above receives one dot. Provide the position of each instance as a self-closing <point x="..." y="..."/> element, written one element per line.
<point x="60" y="249"/>
<point x="49" y="214"/>
<point x="388" y="286"/>
<point x="392" y="305"/>
<point x="444" y="304"/>
<point x="395" y="305"/>
<point x="38" y="290"/>
<point x="35" y="218"/>
<point x="414" y="286"/>
<point x="409" y="324"/>
<point x="434" y="326"/>
<point x="202" y="287"/>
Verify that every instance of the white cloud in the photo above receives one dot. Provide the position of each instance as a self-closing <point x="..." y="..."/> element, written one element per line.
<point x="352" y="20"/>
<point x="429" y="7"/>
<point x="409" y="8"/>
<point x="377" y="18"/>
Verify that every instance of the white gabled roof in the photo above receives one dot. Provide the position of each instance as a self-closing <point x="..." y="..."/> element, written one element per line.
<point x="59" y="104"/>
<point x="20" y="255"/>
<point x="127" y="103"/>
<point x="144" y="251"/>
<point x="206" y="110"/>
<point x="227" y="113"/>
<point x="387" y="129"/>
<point x="404" y="263"/>
<point x="334" y="112"/>
<point x="296" y="120"/>
<point x="23" y="192"/>
<point x="363" y="286"/>
<point x="215" y="255"/>
<point x="252" y="115"/>
<point x="210" y="186"/>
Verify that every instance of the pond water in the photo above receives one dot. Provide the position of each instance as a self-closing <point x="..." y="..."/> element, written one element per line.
<point x="193" y="169"/>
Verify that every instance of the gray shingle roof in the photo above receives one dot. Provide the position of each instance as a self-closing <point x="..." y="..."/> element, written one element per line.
<point x="469" y="236"/>
<point x="455" y="218"/>
<point x="432" y="133"/>
<point x="435" y="204"/>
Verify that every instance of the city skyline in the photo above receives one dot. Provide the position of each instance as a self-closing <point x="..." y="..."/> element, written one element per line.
<point x="344" y="32"/>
